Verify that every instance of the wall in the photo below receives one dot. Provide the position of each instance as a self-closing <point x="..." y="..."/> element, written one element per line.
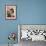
<point x="32" y="11"/>
<point x="7" y="26"/>
<point x="28" y="12"/>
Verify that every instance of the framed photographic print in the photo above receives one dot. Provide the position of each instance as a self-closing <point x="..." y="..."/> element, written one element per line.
<point x="10" y="12"/>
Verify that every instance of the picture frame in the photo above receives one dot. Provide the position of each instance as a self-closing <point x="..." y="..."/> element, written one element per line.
<point x="33" y="31"/>
<point x="10" y="12"/>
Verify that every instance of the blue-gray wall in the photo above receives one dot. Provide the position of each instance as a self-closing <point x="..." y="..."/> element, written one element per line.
<point x="32" y="11"/>
<point x="28" y="12"/>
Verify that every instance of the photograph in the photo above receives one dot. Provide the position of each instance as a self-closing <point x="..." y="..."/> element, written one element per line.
<point x="10" y="12"/>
